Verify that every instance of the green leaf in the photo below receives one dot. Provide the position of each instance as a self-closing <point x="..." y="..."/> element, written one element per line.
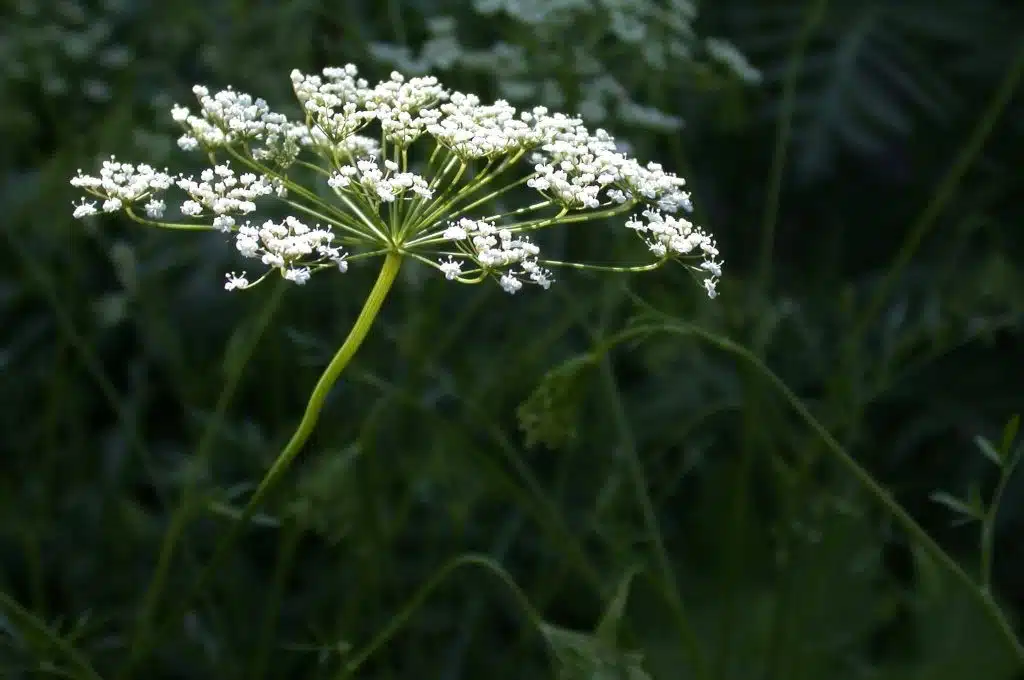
<point x="550" y="414"/>
<point x="581" y="656"/>
<point x="584" y="656"/>
<point x="974" y="499"/>
<point x="989" y="451"/>
<point x="607" y="630"/>
<point x="958" y="506"/>
<point x="1009" y="436"/>
<point x="35" y="633"/>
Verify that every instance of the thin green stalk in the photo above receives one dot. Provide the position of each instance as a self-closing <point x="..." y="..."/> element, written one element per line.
<point x="944" y="192"/>
<point x="815" y="12"/>
<point x="341" y="359"/>
<point x="497" y="192"/>
<point x="180" y="226"/>
<point x="186" y="504"/>
<point x="687" y="633"/>
<point x="604" y="268"/>
<point x="127" y="422"/>
<point x="988" y="526"/>
<point x="841" y="456"/>
<point x="484" y="562"/>
<point x="285" y="561"/>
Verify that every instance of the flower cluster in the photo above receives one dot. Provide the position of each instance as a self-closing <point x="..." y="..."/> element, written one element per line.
<point x="394" y="196"/>
<point x="282" y="245"/>
<point x="667" y="235"/>
<point x="220" y="192"/>
<point x="121" y="185"/>
<point x="496" y="248"/>
<point x="380" y="185"/>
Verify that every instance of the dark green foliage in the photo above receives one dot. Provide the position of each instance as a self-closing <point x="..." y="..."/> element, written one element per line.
<point x="515" y="427"/>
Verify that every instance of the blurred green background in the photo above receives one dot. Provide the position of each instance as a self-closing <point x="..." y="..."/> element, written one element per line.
<point x="860" y="164"/>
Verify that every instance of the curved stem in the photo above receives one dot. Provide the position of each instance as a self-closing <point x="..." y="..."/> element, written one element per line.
<point x="847" y="461"/>
<point x="689" y="640"/>
<point x="341" y="359"/>
<point x="484" y="562"/>
<point x="944" y="192"/>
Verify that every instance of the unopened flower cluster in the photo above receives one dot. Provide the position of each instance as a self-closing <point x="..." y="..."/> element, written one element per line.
<point x="405" y="167"/>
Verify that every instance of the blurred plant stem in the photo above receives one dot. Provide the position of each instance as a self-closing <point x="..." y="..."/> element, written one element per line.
<point x="341" y="359"/>
<point x="186" y="504"/>
<point x="39" y="635"/>
<point x="484" y="562"/>
<point x="688" y="638"/>
<point x="293" y="534"/>
<point x="916" y="532"/>
<point x="851" y="412"/>
<point x="814" y="13"/>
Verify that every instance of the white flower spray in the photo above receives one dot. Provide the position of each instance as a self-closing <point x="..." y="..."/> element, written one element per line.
<point x="418" y="188"/>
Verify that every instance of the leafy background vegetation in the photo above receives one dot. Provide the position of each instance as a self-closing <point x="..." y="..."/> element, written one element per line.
<point x="656" y="507"/>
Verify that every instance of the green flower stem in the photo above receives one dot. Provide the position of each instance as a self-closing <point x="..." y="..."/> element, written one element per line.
<point x="605" y="268"/>
<point x="360" y="237"/>
<point x="369" y="253"/>
<point x="166" y="225"/>
<point x="341" y="359"/>
<point x="520" y="211"/>
<point x="340" y="218"/>
<point x="262" y="169"/>
<point x="425" y="260"/>
<point x="314" y="167"/>
<point x="366" y="220"/>
<point x="560" y="218"/>
<point x="436" y="236"/>
<point x="494" y="194"/>
<point x="433" y="157"/>
<point x="607" y="212"/>
<point x="453" y="161"/>
<point x="486" y="176"/>
<point x="453" y="187"/>
<point x="448" y="163"/>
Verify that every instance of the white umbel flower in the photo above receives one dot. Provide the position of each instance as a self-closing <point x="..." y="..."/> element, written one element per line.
<point x="120" y="184"/>
<point x="407" y="167"/>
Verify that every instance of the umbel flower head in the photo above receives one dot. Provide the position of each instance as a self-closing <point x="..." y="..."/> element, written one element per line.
<point x="404" y="167"/>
